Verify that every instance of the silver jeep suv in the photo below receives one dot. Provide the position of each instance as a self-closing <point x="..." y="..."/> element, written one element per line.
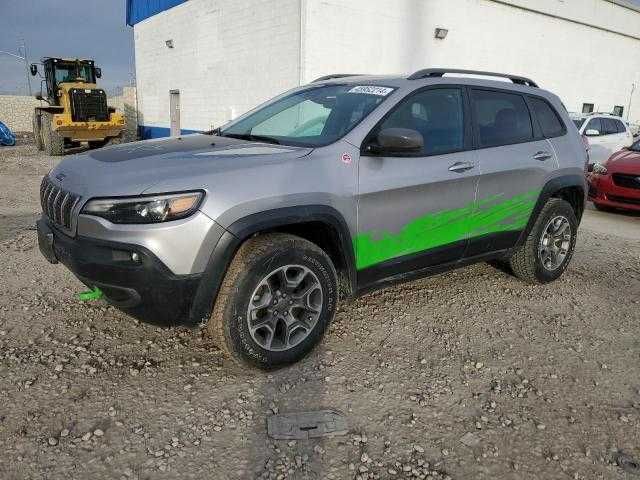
<point x="334" y="188"/>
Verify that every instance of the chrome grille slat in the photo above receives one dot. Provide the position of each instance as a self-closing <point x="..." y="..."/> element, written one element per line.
<point x="57" y="203"/>
<point x="45" y="196"/>
<point x="62" y="205"/>
<point x="69" y="211"/>
<point x="49" y="203"/>
<point x="56" y="210"/>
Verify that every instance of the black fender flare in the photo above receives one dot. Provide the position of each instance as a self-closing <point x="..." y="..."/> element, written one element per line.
<point x="269" y="220"/>
<point x="551" y="188"/>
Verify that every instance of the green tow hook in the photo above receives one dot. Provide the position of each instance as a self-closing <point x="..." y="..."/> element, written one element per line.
<point x="94" y="294"/>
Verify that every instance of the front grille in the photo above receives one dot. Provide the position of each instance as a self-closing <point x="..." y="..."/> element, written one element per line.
<point x="626" y="180"/>
<point x="57" y="204"/>
<point x="89" y="105"/>
<point x="616" y="198"/>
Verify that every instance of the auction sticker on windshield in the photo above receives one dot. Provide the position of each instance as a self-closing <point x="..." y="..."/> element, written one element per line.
<point x="371" y="90"/>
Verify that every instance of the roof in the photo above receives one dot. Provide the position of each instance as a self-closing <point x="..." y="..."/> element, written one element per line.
<point x="139" y="10"/>
<point x="626" y="4"/>
<point x="88" y="60"/>
<point x="433" y="75"/>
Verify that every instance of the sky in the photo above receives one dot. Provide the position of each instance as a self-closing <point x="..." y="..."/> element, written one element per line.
<point x="65" y="28"/>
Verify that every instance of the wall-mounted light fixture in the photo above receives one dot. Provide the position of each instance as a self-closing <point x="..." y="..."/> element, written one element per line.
<point x="441" y="33"/>
<point x="169" y="43"/>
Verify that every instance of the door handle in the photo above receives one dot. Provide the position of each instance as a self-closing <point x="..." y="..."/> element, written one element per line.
<point x="542" y="156"/>
<point x="460" y="167"/>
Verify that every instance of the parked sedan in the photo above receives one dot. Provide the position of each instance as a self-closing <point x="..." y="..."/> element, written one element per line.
<point x="616" y="182"/>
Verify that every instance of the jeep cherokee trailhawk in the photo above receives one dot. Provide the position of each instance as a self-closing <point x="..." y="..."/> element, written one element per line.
<point x="337" y="187"/>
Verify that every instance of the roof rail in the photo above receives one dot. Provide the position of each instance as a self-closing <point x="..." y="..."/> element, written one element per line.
<point x="337" y="75"/>
<point x="439" y="72"/>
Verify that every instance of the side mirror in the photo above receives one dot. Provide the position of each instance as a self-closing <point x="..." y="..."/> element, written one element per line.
<point x="98" y="72"/>
<point x="398" y="140"/>
<point x="39" y="96"/>
<point x="592" y="132"/>
<point x="33" y="68"/>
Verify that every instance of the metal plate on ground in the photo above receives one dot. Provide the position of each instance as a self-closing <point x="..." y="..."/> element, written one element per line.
<point x="304" y="425"/>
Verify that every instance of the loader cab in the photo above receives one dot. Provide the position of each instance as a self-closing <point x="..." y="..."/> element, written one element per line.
<point x="58" y="71"/>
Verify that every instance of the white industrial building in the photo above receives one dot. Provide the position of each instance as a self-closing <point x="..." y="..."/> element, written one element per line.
<point x="208" y="61"/>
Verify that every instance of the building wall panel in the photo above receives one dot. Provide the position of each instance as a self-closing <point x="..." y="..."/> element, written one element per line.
<point x="227" y="57"/>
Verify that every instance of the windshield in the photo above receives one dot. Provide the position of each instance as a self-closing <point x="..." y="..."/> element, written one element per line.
<point x="578" y="122"/>
<point x="72" y="72"/>
<point x="313" y="117"/>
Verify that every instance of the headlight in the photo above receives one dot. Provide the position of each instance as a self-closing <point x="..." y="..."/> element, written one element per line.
<point x="599" y="169"/>
<point x="151" y="209"/>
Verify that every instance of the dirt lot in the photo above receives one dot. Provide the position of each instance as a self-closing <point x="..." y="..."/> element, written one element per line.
<point x="471" y="374"/>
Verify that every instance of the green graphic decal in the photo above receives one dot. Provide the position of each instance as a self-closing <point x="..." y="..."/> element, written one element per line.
<point x="94" y="294"/>
<point x="490" y="215"/>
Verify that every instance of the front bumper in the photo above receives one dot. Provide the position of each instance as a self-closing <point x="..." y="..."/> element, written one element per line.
<point x="86" y="131"/>
<point x="143" y="285"/>
<point x="602" y="191"/>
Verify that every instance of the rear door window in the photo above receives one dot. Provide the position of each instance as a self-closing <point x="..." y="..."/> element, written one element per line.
<point x="595" y="124"/>
<point x="609" y="126"/>
<point x="550" y="123"/>
<point x="500" y="118"/>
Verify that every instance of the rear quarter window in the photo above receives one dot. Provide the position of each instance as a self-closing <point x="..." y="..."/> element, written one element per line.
<point x="500" y="118"/>
<point x="549" y="121"/>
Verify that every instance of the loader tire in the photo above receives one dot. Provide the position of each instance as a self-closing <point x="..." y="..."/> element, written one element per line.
<point x="53" y="141"/>
<point x="117" y="140"/>
<point x="37" y="131"/>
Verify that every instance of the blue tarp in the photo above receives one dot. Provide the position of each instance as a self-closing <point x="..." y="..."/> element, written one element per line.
<point x="138" y="10"/>
<point x="7" y="137"/>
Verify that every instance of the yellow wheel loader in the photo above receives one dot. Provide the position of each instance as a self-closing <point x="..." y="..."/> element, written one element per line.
<point x="77" y="109"/>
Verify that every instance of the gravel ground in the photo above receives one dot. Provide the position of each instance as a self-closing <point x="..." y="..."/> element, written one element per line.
<point x="471" y="374"/>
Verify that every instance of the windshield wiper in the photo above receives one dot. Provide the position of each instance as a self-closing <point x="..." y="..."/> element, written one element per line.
<point x="250" y="137"/>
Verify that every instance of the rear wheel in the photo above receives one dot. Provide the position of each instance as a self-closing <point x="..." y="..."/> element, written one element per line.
<point x="549" y="246"/>
<point x="276" y="301"/>
<point x="52" y="140"/>
<point x="37" y="131"/>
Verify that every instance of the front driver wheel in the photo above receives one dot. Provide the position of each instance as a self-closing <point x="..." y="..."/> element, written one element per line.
<point x="276" y="301"/>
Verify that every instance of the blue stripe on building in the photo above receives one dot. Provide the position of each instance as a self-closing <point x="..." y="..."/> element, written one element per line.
<point x="146" y="132"/>
<point x="139" y="10"/>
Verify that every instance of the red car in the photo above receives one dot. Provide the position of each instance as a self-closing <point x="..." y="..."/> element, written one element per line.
<point x="616" y="182"/>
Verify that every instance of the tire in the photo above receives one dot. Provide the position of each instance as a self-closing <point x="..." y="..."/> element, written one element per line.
<point x="37" y="131"/>
<point x="113" y="141"/>
<point x="527" y="262"/>
<point x="52" y="140"/>
<point x="254" y="277"/>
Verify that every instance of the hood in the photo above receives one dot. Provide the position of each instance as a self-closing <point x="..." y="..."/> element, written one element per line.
<point x="182" y="162"/>
<point x="624" y="161"/>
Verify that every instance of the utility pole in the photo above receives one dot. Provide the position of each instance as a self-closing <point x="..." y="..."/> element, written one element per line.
<point x="633" y="87"/>
<point x="22" y="55"/>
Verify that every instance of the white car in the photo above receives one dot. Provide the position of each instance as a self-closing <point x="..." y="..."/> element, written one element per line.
<point x="606" y="134"/>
